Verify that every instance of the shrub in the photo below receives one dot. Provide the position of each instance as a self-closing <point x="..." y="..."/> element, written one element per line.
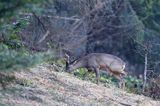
<point x="11" y="59"/>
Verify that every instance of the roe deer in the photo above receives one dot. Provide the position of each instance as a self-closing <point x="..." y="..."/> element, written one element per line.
<point x="98" y="61"/>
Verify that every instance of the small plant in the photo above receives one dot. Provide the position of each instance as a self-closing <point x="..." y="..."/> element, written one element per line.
<point x="6" y="79"/>
<point x="25" y="82"/>
<point x="134" y="84"/>
<point x="81" y="73"/>
<point x="105" y="79"/>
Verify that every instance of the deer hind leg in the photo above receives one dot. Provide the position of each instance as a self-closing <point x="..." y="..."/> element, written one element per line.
<point x="109" y="71"/>
<point x="119" y="76"/>
<point x="122" y="82"/>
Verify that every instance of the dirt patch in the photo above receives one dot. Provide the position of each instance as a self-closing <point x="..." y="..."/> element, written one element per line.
<point x="42" y="86"/>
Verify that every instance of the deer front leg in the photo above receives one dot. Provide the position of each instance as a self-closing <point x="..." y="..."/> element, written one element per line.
<point x="97" y="75"/>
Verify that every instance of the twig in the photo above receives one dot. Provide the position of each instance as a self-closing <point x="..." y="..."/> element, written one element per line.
<point x="56" y="17"/>
<point x="39" y="21"/>
<point x="44" y="36"/>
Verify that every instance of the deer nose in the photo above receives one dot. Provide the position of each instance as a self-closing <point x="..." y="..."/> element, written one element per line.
<point x="67" y="69"/>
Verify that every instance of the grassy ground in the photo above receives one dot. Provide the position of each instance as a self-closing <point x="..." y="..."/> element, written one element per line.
<point x="43" y="86"/>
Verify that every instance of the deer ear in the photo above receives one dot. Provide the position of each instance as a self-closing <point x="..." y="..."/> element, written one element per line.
<point x="75" y="62"/>
<point x="67" y="57"/>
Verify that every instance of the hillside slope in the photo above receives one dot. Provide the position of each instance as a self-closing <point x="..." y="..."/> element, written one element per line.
<point x="43" y="86"/>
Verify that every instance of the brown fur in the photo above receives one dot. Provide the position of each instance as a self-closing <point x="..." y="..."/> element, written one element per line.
<point x="98" y="61"/>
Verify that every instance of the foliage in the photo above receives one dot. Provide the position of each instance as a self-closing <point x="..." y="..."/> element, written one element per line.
<point x="148" y="12"/>
<point x="9" y="33"/>
<point x="25" y="82"/>
<point x="13" y="53"/>
<point x="6" y="79"/>
<point x="10" y="8"/>
<point x="12" y="59"/>
<point x="133" y="84"/>
<point x="104" y="78"/>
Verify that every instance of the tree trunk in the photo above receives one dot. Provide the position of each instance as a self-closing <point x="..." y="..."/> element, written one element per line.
<point x="145" y="73"/>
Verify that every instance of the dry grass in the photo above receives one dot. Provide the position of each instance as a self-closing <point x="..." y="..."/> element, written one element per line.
<point x="42" y="86"/>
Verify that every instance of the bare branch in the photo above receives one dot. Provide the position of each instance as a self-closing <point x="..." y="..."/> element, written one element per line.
<point x="44" y="36"/>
